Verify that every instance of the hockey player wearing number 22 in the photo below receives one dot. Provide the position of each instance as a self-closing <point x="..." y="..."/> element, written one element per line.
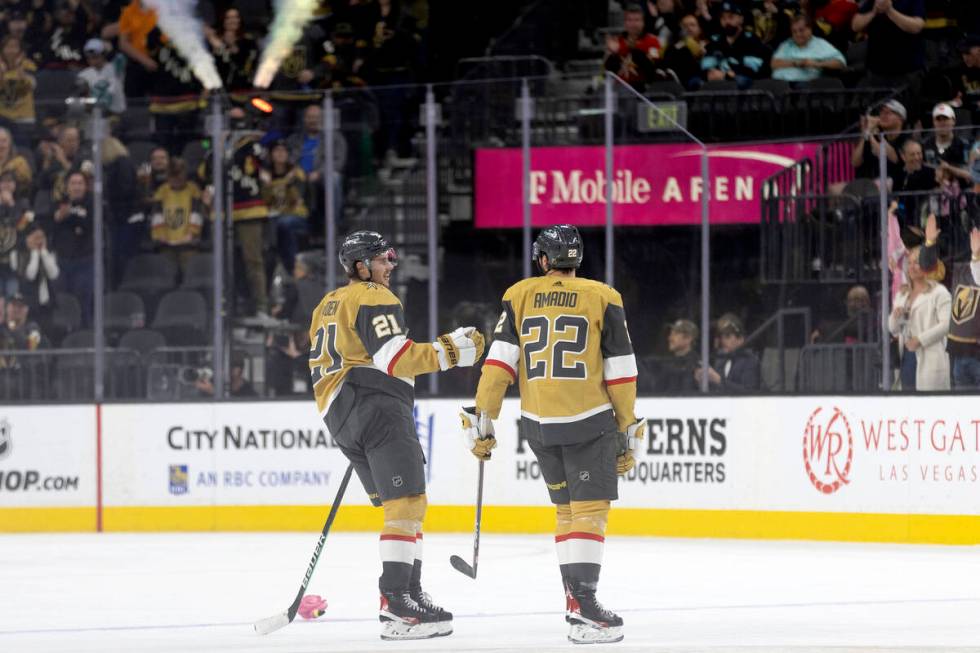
<point x="363" y="367"/>
<point x="563" y="339"/>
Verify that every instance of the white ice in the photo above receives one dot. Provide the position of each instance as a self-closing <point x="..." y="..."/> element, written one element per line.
<point x="201" y="592"/>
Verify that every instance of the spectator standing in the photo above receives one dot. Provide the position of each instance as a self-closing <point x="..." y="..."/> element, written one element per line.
<point x="300" y="74"/>
<point x="135" y="24"/>
<point x="771" y="21"/>
<point x="883" y="130"/>
<point x="662" y="19"/>
<point x="634" y="55"/>
<point x="178" y="216"/>
<point x="804" y="57"/>
<point x="735" y="369"/>
<point x="684" y="56"/>
<point x="18" y="84"/>
<point x="175" y="97"/>
<point x="920" y="320"/>
<point x="72" y="235"/>
<point x="735" y="54"/>
<point x="236" y="53"/>
<point x="896" y="48"/>
<point x="102" y="80"/>
<point x="965" y="77"/>
<point x="677" y="372"/>
<point x="391" y="60"/>
<point x="124" y="207"/>
<point x="288" y="353"/>
<point x="307" y="147"/>
<point x="285" y="192"/>
<point x="63" y="47"/>
<point x="944" y="148"/>
<point x="15" y="220"/>
<point x="11" y="161"/>
<point x="38" y="272"/>
<point x="249" y="212"/>
<point x="833" y="18"/>
<point x="40" y="23"/>
<point x="345" y="57"/>
<point x="964" y="318"/>
<point x="16" y="25"/>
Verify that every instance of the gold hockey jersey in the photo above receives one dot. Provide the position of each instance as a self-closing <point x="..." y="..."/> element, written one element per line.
<point x="564" y="340"/>
<point x="358" y="338"/>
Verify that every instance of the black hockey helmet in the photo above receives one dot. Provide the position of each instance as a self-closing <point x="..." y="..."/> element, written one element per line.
<point x="363" y="246"/>
<point x="561" y="244"/>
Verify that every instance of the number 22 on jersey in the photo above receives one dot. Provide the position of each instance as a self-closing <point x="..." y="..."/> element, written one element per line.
<point x="553" y="346"/>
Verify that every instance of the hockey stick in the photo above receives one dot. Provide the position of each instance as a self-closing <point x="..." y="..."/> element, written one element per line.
<point x="275" y="622"/>
<point x="458" y="563"/>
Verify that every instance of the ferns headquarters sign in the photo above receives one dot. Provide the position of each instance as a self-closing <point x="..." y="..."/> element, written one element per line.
<point x="652" y="184"/>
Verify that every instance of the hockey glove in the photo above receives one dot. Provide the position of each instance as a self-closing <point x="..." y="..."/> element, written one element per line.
<point x="628" y="443"/>
<point x="462" y="348"/>
<point x="477" y="432"/>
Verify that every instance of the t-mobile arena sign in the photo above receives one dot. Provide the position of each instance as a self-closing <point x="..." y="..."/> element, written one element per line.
<point x="652" y="184"/>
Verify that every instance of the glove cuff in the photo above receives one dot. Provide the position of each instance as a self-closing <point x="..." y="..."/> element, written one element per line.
<point x="446" y="351"/>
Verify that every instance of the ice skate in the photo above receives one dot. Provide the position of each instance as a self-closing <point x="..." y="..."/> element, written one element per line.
<point x="589" y="622"/>
<point x="403" y="618"/>
<point x="444" y="617"/>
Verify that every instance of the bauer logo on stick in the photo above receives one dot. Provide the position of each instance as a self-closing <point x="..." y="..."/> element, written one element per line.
<point x="5" y="442"/>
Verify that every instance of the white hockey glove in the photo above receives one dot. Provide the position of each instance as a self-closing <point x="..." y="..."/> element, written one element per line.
<point x="461" y="348"/>
<point x="629" y="442"/>
<point x="477" y="432"/>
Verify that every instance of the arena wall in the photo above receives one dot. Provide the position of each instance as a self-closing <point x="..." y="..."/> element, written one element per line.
<point x="889" y="469"/>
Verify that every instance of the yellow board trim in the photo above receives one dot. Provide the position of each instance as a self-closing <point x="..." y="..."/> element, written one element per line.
<point x="47" y="520"/>
<point x="748" y="524"/>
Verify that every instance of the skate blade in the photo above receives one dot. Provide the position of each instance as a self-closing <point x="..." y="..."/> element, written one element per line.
<point x="396" y="630"/>
<point x="579" y="633"/>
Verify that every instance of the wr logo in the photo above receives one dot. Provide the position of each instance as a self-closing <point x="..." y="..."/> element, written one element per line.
<point x="828" y="450"/>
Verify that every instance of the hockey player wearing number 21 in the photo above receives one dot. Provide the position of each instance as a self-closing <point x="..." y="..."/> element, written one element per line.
<point x="364" y="366"/>
<point x="563" y="339"/>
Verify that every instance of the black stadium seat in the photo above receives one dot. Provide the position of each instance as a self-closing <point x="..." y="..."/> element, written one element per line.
<point x="124" y="310"/>
<point x="182" y="318"/>
<point x="153" y="272"/>
<point x="67" y="316"/>
<point x="199" y="272"/>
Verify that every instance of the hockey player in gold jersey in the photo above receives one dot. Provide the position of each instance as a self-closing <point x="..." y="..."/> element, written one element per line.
<point x="363" y="367"/>
<point x="563" y="340"/>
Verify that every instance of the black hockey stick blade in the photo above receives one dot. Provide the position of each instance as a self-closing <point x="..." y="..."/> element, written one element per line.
<point x="458" y="563"/>
<point x="462" y="566"/>
<point x="283" y="619"/>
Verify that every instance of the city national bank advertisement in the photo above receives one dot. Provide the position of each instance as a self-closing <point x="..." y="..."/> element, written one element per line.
<point x="652" y="185"/>
<point x="902" y="469"/>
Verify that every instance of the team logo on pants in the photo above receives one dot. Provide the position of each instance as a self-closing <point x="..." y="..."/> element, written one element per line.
<point x="584" y="476"/>
<point x="397" y="481"/>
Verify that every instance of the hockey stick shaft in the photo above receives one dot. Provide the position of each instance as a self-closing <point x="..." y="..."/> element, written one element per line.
<point x="479" y="519"/>
<point x="278" y="621"/>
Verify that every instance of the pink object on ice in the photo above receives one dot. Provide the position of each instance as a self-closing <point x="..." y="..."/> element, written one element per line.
<point x="312" y="606"/>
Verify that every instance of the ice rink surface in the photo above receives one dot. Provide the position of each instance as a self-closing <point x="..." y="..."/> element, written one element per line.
<point x="201" y="592"/>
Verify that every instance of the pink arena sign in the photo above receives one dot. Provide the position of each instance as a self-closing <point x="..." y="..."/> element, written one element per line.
<point x="652" y="184"/>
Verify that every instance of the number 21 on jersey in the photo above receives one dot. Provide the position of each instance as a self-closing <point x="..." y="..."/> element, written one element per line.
<point x="325" y="347"/>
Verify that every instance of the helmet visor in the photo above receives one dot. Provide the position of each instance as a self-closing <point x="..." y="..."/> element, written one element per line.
<point x="391" y="255"/>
